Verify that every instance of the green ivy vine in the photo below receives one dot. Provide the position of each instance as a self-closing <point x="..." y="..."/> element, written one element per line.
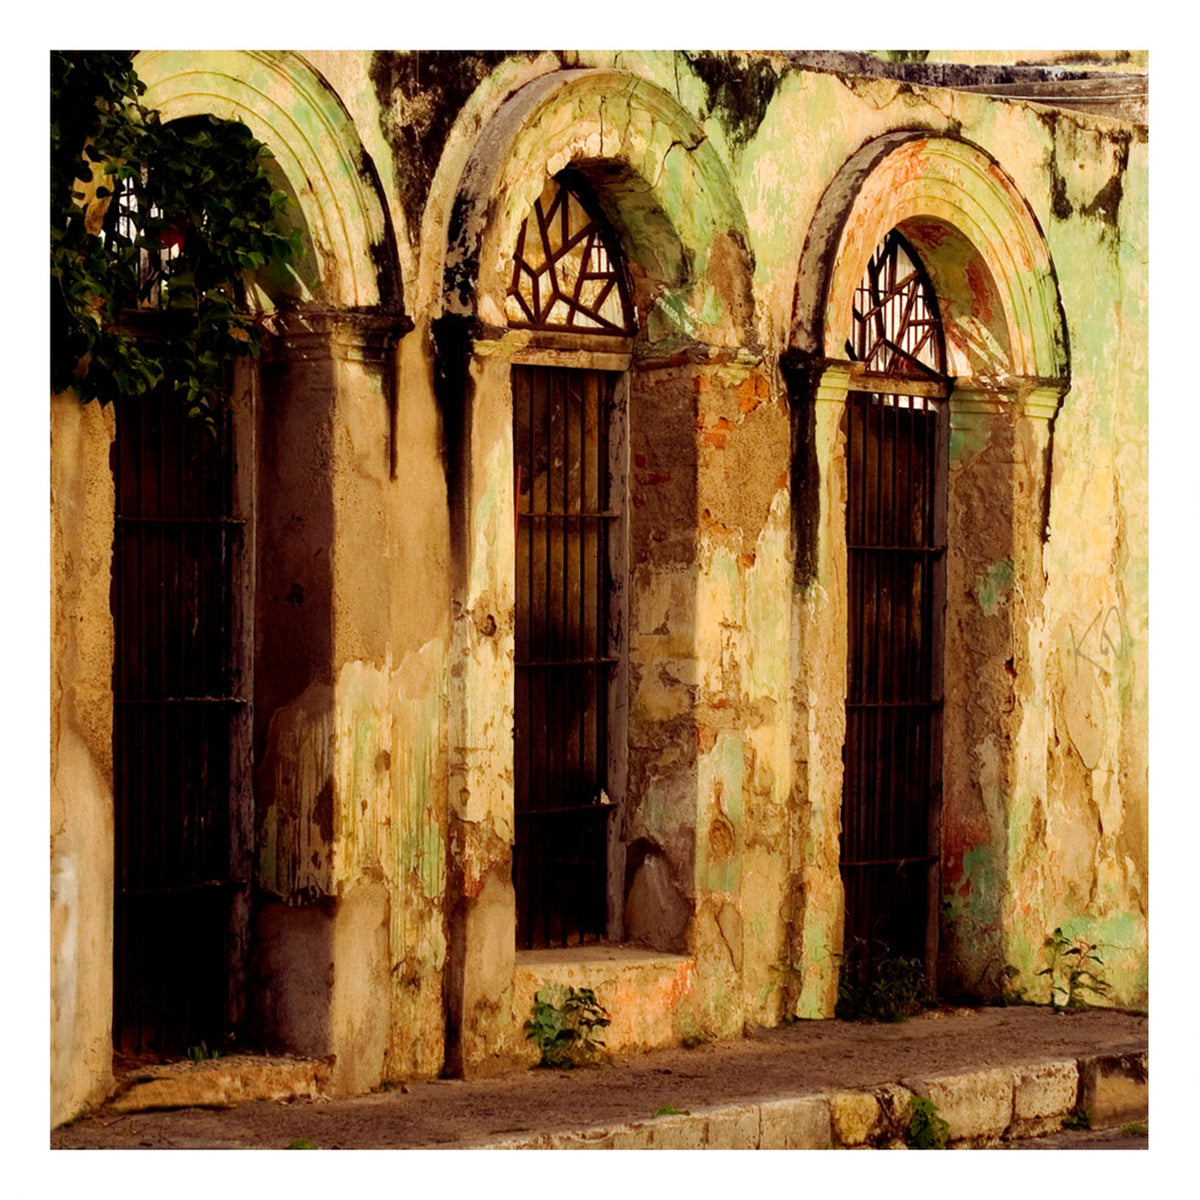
<point x="124" y="188"/>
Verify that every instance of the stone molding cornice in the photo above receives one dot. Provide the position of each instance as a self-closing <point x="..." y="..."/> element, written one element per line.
<point x="345" y="335"/>
<point x="1026" y="396"/>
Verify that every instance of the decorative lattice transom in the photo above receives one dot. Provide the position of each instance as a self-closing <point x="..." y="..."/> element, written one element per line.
<point x="566" y="270"/>
<point x="897" y="329"/>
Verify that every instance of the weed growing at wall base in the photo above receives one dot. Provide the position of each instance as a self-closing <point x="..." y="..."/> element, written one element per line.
<point x="564" y="1025"/>
<point x="1073" y="970"/>
<point x="893" y="990"/>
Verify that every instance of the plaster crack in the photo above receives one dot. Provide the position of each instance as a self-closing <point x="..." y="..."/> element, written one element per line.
<point x="690" y="149"/>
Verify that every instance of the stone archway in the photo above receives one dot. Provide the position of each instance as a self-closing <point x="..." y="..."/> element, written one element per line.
<point x="291" y="110"/>
<point x="694" y="397"/>
<point x="1007" y="352"/>
<point x="317" y="430"/>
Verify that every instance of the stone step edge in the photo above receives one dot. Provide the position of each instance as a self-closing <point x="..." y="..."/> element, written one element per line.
<point x="221" y="1083"/>
<point x="982" y="1107"/>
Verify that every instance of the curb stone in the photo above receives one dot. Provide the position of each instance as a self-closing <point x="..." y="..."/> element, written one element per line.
<point x="982" y="1107"/>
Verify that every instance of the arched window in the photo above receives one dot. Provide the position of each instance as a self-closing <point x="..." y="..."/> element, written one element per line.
<point x="567" y="278"/>
<point x="566" y="273"/>
<point x="895" y="541"/>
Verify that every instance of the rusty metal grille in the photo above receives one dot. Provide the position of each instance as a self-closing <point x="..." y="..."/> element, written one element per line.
<point x="123" y="223"/>
<point x="897" y="329"/>
<point x="565" y="276"/>
<point x="563" y="660"/>
<point x="895" y="535"/>
<point x="177" y="698"/>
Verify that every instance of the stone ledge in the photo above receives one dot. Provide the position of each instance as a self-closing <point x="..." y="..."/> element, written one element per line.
<point x="977" y="1105"/>
<point x="1114" y="1088"/>
<point x="643" y="990"/>
<point x="221" y="1083"/>
<point x="982" y="1108"/>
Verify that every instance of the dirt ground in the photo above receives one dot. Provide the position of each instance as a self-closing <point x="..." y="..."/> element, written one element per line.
<point x="804" y="1057"/>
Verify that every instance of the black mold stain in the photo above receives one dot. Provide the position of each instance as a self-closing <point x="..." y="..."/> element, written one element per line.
<point x="1106" y="203"/>
<point x="458" y="282"/>
<point x="800" y="375"/>
<point x="453" y="337"/>
<point x="740" y="91"/>
<point x="434" y="85"/>
<point x="1060" y="203"/>
<point x="323" y="811"/>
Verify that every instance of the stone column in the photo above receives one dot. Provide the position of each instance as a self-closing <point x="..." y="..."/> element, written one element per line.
<point x="323" y="730"/>
<point x="819" y="608"/>
<point x="483" y="1034"/>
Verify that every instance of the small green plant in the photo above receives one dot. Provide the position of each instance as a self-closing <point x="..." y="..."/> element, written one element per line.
<point x="1134" y="1129"/>
<point x="927" y="1128"/>
<point x="667" y="1111"/>
<point x="302" y="1143"/>
<point x="201" y="1052"/>
<point x="564" y="1026"/>
<point x="1074" y="970"/>
<point x="1077" y="1118"/>
<point x="893" y="990"/>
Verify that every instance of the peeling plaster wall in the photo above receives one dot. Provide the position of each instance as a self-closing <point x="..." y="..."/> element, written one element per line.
<point x="351" y="779"/>
<point x="1094" y="631"/>
<point x="384" y="642"/>
<point x="81" y="771"/>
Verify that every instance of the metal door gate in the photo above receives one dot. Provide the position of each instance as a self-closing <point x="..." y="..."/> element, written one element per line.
<point x="563" y="662"/>
<point x="177" y="700"/>
<point x="896" y="542"/>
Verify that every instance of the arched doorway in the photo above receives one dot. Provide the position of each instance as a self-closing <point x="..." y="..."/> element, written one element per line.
<point x="895" y="426"/>
<point x="988" y="278"/>
<point x="182" y="549"/>
<point x="568" y="279"/>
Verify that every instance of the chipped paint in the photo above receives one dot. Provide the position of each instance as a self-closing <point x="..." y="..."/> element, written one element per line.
<point x="747" y="192"/>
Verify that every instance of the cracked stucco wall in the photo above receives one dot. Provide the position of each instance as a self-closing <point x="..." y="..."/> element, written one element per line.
<point x="384" y="672"/>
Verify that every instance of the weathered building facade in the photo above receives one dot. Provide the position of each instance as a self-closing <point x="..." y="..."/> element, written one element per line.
<point x="692" y="509"/>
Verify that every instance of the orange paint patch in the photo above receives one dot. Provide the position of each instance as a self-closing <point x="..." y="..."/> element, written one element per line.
<point x="751" y="392"/>
<point x="981" y="290"/>
<point x="747" y="560"/>
<point x="706" y="738"/>
<point x="718" y="435"/>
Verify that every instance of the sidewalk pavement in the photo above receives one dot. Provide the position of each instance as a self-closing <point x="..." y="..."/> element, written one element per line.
<point x="994" y="1075"/>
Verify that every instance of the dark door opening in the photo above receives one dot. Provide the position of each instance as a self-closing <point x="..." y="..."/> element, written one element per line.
<point x="563" y="658"/>
<point x="896" y="552"/>
<point x="178" y="700"/>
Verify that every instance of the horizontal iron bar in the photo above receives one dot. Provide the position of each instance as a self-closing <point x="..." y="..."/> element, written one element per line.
<point x="121" y="520"/>
<point x="901" y="549"/>
<point x="893" y="862"/>
<point x="568" y="662"/>
<point x="607" y="514"/>
<point x="894" y="703"/>
<point x="202" y="886"/>
<point x="179" y="700"/>
<point x="571" y="808"/>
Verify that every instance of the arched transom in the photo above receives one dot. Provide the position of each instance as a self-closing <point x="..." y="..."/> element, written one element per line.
<point x="896" y="326"/>
<point x="567" y="272"/>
